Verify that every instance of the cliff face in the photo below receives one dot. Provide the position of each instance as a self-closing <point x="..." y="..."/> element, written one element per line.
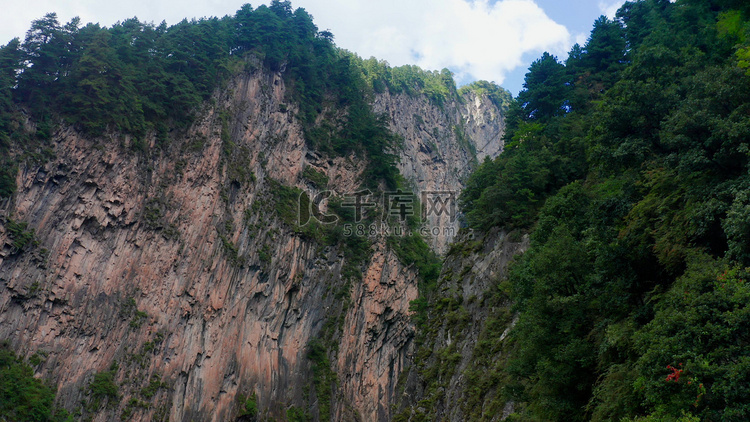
<point x="458" y="373"/>
<point x="442" y="144"/>
<point x="175" y="264"/>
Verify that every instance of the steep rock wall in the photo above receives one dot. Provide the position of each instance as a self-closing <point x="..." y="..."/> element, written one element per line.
<point x="455" y="375"/>
<point x="174" y="264"/>
<point x="442" y="144"/>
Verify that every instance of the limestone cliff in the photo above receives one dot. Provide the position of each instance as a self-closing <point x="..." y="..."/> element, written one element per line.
<point x="441" y="146"/>
<point x="175" y="266"/>
<point x="455" y="375"/>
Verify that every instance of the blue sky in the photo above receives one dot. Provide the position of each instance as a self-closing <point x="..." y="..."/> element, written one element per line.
<point x="495" y="40"/>
<point x="577" y="16"/>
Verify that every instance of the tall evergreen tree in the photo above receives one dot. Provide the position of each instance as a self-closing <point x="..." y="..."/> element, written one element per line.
<point x="543" y="96"/>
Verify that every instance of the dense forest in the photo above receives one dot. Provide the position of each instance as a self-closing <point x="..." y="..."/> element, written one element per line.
<point x="127" y="85"/>
<point x="137" y="78"/>
<point x="628" y="164"/>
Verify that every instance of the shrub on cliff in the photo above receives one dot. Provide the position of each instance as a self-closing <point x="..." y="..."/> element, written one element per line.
<point x="23" y="397"/>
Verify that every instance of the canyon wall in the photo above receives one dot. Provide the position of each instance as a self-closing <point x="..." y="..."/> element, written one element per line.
<point x="173" y="269"/>
<point x="461" y="342"/>
<point x="442" y="144"/>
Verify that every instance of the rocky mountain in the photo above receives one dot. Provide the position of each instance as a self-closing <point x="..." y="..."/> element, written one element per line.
<point x="462" y="337"/>
<point x="441" y="146"/>
<point x="233" y="219"/>
<point x="177" y="277"/>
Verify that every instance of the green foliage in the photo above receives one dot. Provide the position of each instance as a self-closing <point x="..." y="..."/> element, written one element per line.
<point x="286" y="202"/>
<point x="699" y="326"/>
<point x="356" y="248"/>
<point x="154" y="385"/>
<point x="230" y="249"/>
<point x="464" y="142"/>
<point x="238" y="163"/>
<point x="7" y="180"/>
<point x="129" y="310"/>
<point x="264" y="254"/>
<point x="295" y="414"/>
<point x="629" y="165"/>
<point x="127" y="307"/>
<point x="37" y="358"/>
<point x="103" y="389"/>
<point x="543" y="96"/>
<point x="510" y="190"/>
<point x="141" y="79"/>
<point x="361" y="132"/>
<point x="248" y="405"/>
<point x="443" y="312"/>
<point x="104" y="71"/>
<point x="104" y="90"/>
<point x="316" y="177"/>
<point x="138" y="318"/>
<point x="10" y="56"/>
<point x="737" y="229"/>
<point x="138" y="78"/>
<point x="22" y="396"/>
<point x="154" y="217"/>
<point x="438" y="86"/>
<point x="324" y="379"/>
<point x="598" y="64"/>
<point x="21" y="236"/>
<point x="131" y="406"/>
<point x="412" y="249"/>
<point x="499" y="96"/>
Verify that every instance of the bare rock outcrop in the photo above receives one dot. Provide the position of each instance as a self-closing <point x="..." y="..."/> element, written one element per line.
<point x="442" y="145"/>
<point x="171" y="269"/>
<point x="467" y="307"/>
<point x="174" y="265"/>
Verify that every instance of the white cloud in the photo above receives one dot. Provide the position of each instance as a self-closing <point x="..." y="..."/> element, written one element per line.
<point x="476" y="39"/>
<point x="609" y="8"/>
<point x="17" y="15"/>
